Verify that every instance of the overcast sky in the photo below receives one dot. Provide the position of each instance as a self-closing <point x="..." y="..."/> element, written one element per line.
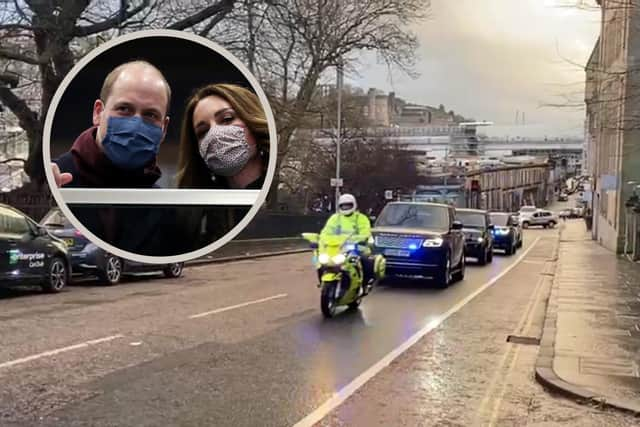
<point x="488" y="58"/>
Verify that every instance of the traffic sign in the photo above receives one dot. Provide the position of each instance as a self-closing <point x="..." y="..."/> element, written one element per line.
<point x="337" y="182"/>
<point x="388" y="194"/>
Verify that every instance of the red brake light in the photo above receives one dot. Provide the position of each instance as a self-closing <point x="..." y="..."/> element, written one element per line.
<point x="78" y="233"/>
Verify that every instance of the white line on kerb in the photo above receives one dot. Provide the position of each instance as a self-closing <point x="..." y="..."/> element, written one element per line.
<point x="233" y="307"/>
<point x="343" y="394"/>
<point x="58" y="351"/>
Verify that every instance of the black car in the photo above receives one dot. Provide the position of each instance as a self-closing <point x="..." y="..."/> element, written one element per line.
<point x="478" y="231"/>
<point x="506" y="235"/>
<point x="29" y="255"/>
<point x="89" y="260"/>
<point x="420" y="240"/>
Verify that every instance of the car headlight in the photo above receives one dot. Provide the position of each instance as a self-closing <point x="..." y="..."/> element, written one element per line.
<point x="480" y="239"/>
<point x="371" y="240"/>
<point x="433" y="243"/>
<point x="324" y="259"/>
<point x="338" y="259"/>
<point x="502" y="231"/>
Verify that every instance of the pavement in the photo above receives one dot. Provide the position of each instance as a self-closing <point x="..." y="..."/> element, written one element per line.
<point x="244" y="344"/>
<point x="591" y="344"/>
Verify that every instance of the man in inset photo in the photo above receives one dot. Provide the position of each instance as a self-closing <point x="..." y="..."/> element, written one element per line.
<point x="130" y="122"/>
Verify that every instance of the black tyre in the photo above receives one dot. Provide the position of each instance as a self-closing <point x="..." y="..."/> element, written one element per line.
<point x="327" y="301"/>
<point x="525" y="224"/>
<point x="511" y="249"/>
<point x="444" y="277"/>
<point x="57" y="277"/>
<point x="112" y="272"/>
<point x="482" y="256"/>
<point x="490" y="255"/>
<point x="173" y="271"/>
<point x="552" y="224"/>
<point x="459" y="276"/>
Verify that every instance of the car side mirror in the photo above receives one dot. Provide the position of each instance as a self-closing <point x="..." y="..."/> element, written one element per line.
<point x="457" y="225"/>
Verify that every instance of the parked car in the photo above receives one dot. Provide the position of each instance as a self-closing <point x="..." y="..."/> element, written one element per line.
<point x="87" y="259"/>
<point x="541" y="218"/>
<point x="506" y="233"/>
<point x="563" y="197"/>
<point x="29" y="255"/>
<point x="478" y="231"/>
<point x="421" y="240"/>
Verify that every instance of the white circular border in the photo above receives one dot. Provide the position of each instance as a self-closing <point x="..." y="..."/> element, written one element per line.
<point x="273" y="146"/>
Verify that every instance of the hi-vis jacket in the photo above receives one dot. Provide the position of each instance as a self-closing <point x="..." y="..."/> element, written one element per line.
<point x="338" y="224"/>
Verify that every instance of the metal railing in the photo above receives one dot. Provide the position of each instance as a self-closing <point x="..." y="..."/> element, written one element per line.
<point x="632" y="229"/>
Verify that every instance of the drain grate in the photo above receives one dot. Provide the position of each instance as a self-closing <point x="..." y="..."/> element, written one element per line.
<point x="523" y="340"/>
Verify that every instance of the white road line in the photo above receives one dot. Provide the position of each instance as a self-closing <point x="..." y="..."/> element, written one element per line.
<point x="58" y="351"/>
<point x="343" y="394"/>
<point x="233" y="307"/>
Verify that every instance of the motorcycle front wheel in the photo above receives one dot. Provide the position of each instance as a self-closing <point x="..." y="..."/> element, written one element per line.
<point x="327" y="300"/>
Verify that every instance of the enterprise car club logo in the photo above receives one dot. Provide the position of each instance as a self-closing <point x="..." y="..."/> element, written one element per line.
<point x="35" y="259"/>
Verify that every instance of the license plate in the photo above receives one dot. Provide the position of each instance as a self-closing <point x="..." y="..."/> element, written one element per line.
<point x="69" y="242"/>
<point x="397" y="252"/>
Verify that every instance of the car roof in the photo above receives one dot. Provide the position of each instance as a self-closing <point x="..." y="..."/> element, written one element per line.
<point x="441" y="205"/>
<point x="478" y="211"/>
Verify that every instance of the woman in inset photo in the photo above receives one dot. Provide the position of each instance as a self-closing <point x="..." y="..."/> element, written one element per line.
<point x="224" y="144"/>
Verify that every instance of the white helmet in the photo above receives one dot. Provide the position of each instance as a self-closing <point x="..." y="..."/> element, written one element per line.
<point x="347" y="204"/>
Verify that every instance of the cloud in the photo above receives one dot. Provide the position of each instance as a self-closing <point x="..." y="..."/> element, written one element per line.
<point x="488" y="59"/>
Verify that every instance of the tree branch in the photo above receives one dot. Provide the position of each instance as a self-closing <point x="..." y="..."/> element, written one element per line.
<point x="8" y="53"/>
<point x="222" y="8"/>
<point x="119" y="17"/>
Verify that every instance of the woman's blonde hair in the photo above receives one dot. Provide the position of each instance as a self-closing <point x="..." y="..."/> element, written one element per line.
<point x="192" y="170"/>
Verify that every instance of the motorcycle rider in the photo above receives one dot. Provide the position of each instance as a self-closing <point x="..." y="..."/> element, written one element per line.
<point x="348" y="220"/>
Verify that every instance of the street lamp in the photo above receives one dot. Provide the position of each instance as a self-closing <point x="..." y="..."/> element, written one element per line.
<point x="339" y="70"/>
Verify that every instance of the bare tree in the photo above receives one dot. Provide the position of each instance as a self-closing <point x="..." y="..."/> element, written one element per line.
<point x="293" y="44"/>
<point x="40" y="41"/>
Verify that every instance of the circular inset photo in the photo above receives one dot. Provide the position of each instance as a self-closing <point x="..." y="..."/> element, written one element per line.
<point x="159" y="147"/>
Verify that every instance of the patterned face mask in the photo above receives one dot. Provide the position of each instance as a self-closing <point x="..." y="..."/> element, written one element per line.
<point x="225" y="150"/>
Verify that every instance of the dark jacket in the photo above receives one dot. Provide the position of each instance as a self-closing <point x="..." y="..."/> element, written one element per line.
<point x="141" y="230"/>
<point x="201" y="226"/>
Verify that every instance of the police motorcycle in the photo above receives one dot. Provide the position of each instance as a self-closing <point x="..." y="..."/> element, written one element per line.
<point x="338" y="261"/>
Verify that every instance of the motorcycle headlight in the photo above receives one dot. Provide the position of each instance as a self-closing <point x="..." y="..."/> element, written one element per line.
<point x="339" y="259"/>
<point x="323" y="259"/>
<point x="502" y="231"/>
<point x="350" y="247"/>
<point x="433" y="243"/>
<point x="371" y="240"/>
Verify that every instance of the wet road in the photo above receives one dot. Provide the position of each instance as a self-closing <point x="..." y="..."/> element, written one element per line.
<point x="241" y="344"/>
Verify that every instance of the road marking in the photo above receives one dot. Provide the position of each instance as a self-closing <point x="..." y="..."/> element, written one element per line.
<point x="344" y="393"/>
<point x="233" y="307"/>
<point x="58" y="351"/>
<point x="512" y="365"/>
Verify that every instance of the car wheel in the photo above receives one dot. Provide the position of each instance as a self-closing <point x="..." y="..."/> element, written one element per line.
<point x="525" y="224"/>
<point x="459" y="276"/>
<point x="174" y="270"/>
<point x="443" y="278"/>
<point x="112" y="272"/>
<point x="510" y="250"/>
<point x="490" y="255"/>
<point x="482" y="256"/>
<point x="57" y="276"/>
<point x="552" y="224"/>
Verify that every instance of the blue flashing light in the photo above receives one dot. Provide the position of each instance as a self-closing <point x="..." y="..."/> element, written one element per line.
<point x="413" y="246"/>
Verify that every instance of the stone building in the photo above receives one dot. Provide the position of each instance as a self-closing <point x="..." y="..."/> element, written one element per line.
<point x="613" y="118"/>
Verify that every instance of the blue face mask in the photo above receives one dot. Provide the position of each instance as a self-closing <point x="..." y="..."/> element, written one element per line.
<point x="130" y="142"/>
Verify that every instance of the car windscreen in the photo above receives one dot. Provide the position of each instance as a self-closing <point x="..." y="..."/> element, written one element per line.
<point x="501" y="220"/>
<point x="414" y="216"/>
<point x="56" y="219"/>
<point x="471" y="219"/>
